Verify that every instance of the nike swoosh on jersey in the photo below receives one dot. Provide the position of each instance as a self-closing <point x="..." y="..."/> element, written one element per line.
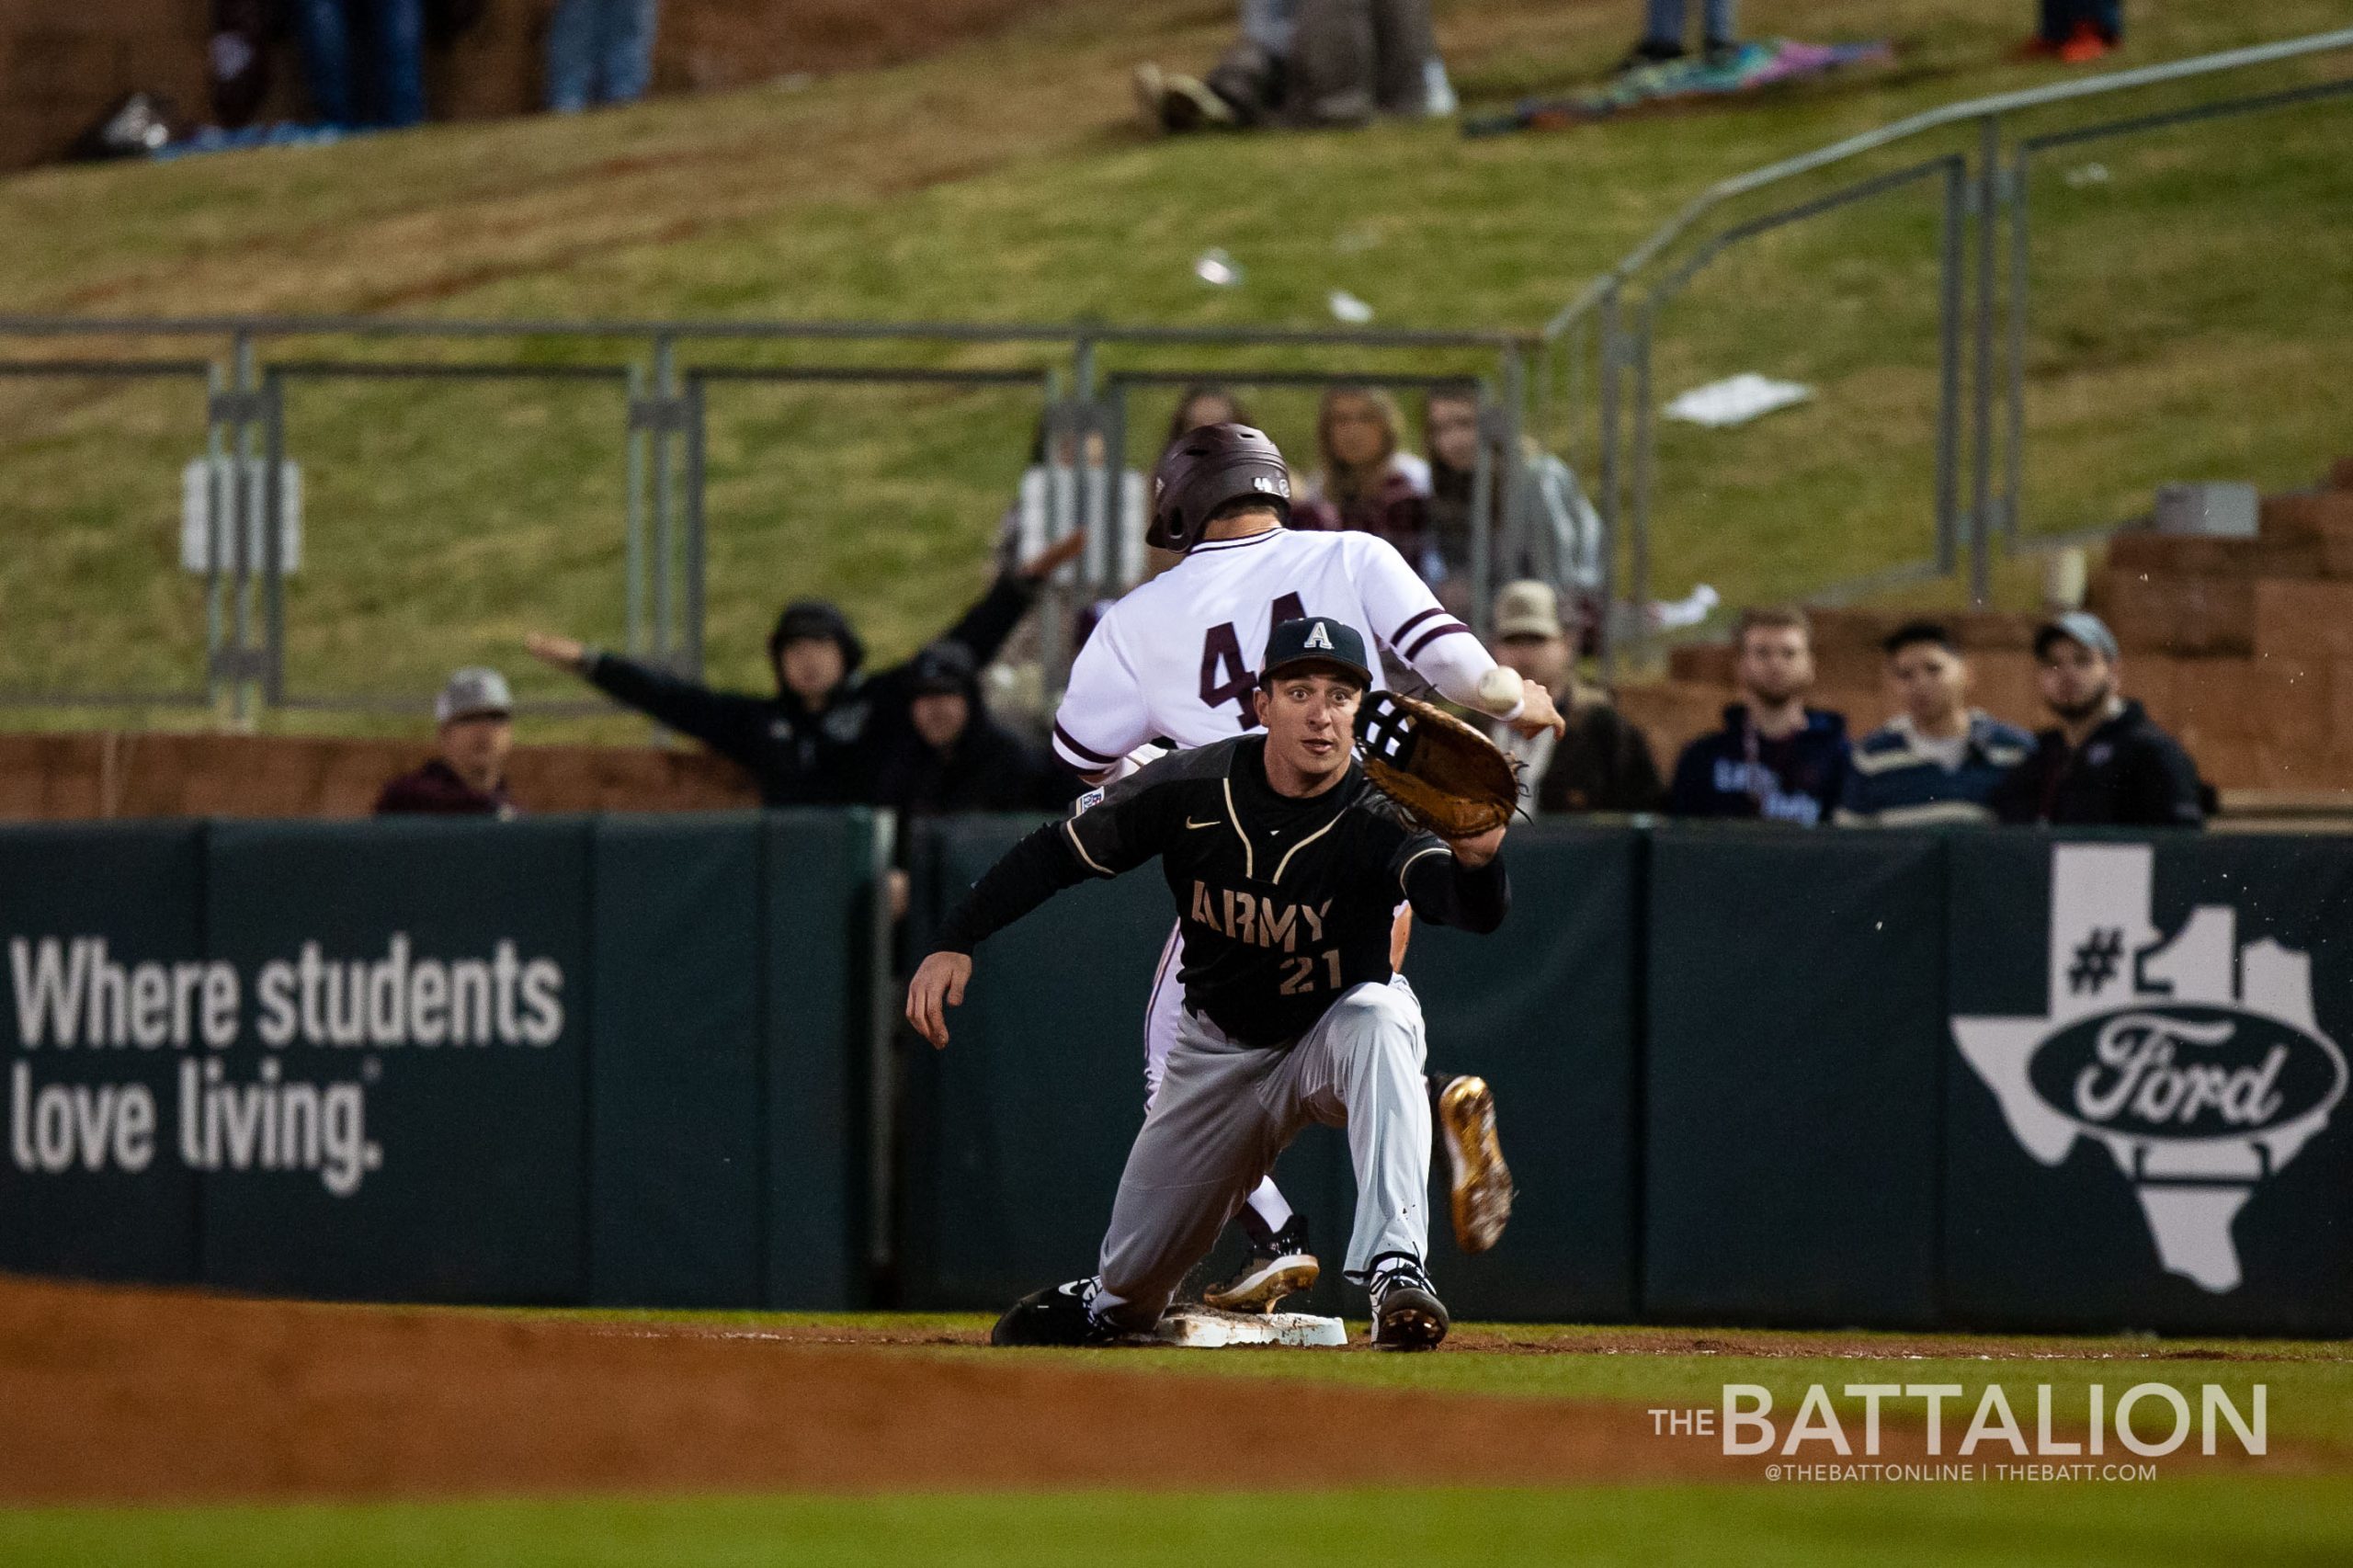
<point x="1211" y="823"/>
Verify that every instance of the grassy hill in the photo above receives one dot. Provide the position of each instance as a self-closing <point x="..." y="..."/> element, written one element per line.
<point x="2191" y="312"/>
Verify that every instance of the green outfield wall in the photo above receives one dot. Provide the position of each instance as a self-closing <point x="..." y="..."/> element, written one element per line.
<point x="1901" y="1080"/>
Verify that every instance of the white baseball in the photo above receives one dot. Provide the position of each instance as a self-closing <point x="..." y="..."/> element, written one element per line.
<point x="1499" y="690"/>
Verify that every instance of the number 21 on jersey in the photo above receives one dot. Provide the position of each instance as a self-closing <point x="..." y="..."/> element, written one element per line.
<point x="1299" y="974"/>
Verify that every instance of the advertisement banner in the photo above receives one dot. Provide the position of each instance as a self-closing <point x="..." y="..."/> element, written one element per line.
<point x="1015" y="1135"/>
<point x="1791" y="1097"/>
<point x="818" y="872"/>
<point x="402" y="1110"/>
<point x="110" y="1001"/>
<point x="2146" y="1074"/>
<point x="1543" y="1009"/>
<point x="676" y="1208"/>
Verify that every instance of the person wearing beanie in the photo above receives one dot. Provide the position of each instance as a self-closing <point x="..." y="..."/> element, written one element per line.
<point x="955" y="756"/>
<point x="821" y="738"/>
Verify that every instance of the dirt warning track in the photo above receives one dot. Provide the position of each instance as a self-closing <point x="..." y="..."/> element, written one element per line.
<point x="119" y="1395"/>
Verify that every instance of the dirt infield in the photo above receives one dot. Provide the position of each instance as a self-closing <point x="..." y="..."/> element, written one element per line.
<point x="117" y="1395"/>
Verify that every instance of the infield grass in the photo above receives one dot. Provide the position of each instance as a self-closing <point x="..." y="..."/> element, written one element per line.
<point x="2310" y="1383"/>
<point x="2226" y="1522"/>
<point x="2189" y="321"/>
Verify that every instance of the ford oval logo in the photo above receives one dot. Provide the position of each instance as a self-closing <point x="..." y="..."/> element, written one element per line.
<point x="2185" y="1071"/>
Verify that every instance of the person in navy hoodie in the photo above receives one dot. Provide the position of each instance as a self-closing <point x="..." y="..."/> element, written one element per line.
<point x="1775" y="758"/>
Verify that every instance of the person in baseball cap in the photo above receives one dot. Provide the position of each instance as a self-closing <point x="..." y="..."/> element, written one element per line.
<point x="1603" y="763"/>
<point x="2106" y="764"/>
<point x="1316" y="643"/>
<point x="467" y="775"/>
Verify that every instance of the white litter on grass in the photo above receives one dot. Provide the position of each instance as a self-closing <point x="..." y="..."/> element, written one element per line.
<point x="1736" y="400"/>
<point x="1348" y="308"/>
<point x="1689" y="611"/>
<point x="1217" y="268"/>
<point x="2087" y="174"/>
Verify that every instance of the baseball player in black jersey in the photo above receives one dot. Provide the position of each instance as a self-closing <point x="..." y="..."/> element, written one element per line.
<point x="1286" y="867"/>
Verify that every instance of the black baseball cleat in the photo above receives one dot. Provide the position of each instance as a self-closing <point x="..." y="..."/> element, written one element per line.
<point x="1406" y="1313"/>
<point x="1055" y="1315"/>
<point x="1482" y="1187"/>
<point x="1276" y="1268"/>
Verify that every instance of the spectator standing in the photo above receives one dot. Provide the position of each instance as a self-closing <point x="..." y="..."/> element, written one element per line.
<point x="820" y="739"/>
<point x="1775" y="758"/>
<point x="1663" y="25"/>
<point x="2076" y="32"/>
<point x="475" y="717"/>
<point x="364" y="61"/>
<point x="599" y="51"/>
<point x="1603" y="763"/>
<point x="1559" y="542"/>
<point x="2106" y="764"/>
<point x="236" y="60"/>
<point x="1938" y="760"/>
<point x="1368" y="483"/>
<point x="955" y="756"/>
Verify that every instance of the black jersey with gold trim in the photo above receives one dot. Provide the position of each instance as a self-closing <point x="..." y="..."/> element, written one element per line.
<point x="1283" y="902"/>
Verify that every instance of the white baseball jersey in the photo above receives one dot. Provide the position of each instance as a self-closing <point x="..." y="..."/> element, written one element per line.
<point x="1178" y="658"/>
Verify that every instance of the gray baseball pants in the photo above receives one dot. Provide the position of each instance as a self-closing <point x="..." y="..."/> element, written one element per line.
<point x="1226" y="1111"/>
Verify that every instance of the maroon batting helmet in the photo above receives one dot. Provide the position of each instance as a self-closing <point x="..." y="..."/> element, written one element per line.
<point x="1206" y="468"/>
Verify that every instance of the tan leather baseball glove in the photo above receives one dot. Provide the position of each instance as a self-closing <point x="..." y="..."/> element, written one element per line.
<point x="1442" y="773"/>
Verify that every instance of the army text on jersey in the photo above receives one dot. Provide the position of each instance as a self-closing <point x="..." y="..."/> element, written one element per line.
<point x="1283" y="902"/>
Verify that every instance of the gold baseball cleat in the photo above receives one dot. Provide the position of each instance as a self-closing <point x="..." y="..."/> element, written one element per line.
<point x="1279" y="1267"/>
<point x="1482" y="1197"/>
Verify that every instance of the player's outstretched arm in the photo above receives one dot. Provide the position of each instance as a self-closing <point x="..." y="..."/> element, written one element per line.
<point x="731" y="724"/>
<point x="1440" y="648"/>
<point x="938" y="985"/>
<point x="1458" y="882"/>
<point x="1479" y="848"/>
<point x="563" y="653"/>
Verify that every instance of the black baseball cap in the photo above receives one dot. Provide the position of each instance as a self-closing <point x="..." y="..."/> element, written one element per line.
<point x="1316" y="639"/>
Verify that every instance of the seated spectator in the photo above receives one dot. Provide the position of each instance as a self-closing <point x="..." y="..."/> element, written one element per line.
<point x="955" y="758"/>
<point x="1663" y="24"/>
<point x="599" y="51"/>
<point x="467" y="777"/>
<point x="819" y="740"/>
<point x="1940" y="760"/>
<point x="1775" y="758"/>
<point x="1308" y="62"/>
<point x="364" y="61"/>
<point x="1603" y="763"/>
<point x="2106" y="765"/>
<point x="1561" y="542"/>
<point x="1367" y="481"/>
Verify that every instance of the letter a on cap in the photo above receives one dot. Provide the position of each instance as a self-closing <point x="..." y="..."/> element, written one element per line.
<point x="1318" y="638"/>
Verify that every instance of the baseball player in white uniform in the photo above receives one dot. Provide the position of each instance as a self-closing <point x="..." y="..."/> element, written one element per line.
<point x="1175" y="664"/>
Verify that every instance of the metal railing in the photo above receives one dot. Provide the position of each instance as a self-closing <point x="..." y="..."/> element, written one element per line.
<point x="1077" y="379"/>
<point x="1981" y="370"/>
<point x="1081" y="376"/>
